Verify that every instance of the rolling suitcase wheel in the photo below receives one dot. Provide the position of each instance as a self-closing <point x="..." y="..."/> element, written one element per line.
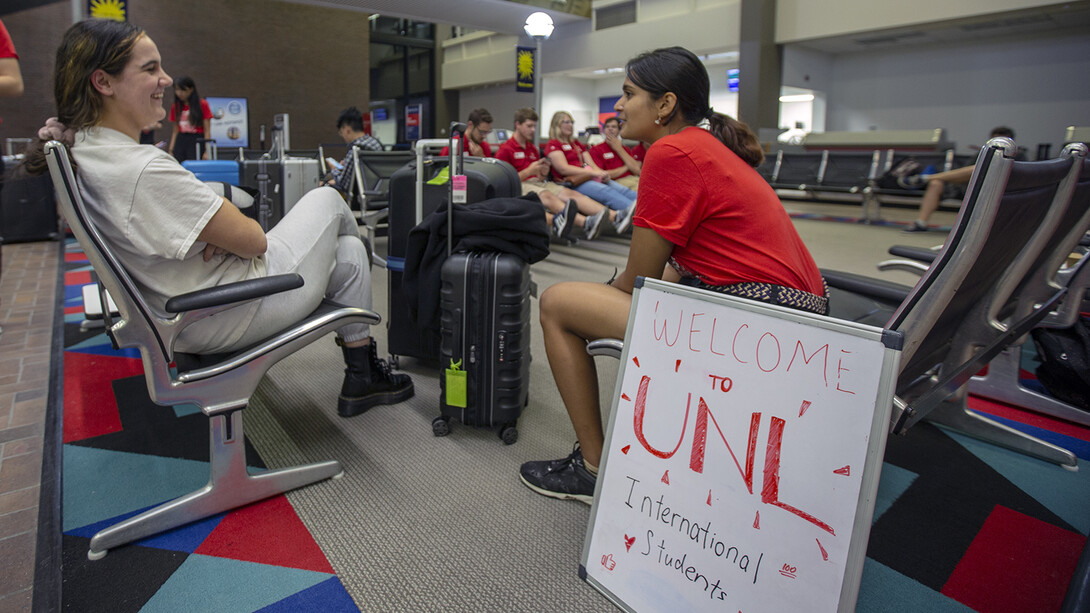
<point x="508" y="434"/>
<point x="440" y="426"/>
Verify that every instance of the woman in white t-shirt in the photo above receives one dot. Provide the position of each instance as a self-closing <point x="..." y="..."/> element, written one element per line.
<point x="174" y="234"/>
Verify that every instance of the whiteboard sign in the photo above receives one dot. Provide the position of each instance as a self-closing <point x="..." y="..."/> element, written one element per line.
<point x="741" y="457"/>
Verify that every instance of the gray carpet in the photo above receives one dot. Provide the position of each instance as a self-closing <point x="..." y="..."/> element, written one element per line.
<point x="419" y="523"/>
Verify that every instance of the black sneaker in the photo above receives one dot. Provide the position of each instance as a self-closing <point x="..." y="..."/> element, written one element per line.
<point x="564" y="221"/>
<point x="917" y="226"/>
<point x="565" y="479"/>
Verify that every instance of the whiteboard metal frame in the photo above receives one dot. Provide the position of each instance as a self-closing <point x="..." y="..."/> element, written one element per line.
<point x="879" y="429"/>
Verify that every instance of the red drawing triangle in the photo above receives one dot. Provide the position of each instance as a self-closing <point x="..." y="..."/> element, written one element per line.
<point x="636" y="361"/>
<point x="846" y="471"/>
<point x="625" y="449"/>
<point x="666" y="477"/>
<point x="243" y="534"/>
<point x="677" y="365"/>
<point x="824" y="554"/>
<point x="709" y="498"/>
<point x="805" y="405"/>
<point x="625" y="397"/>
<point x="757" y="521"/>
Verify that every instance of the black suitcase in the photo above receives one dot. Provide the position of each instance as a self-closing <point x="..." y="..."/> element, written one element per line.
<point x="28" y="211"/>
<point x="267" y="175"/>
<point x="485" y="178"/>
<point x="485" y="329"/>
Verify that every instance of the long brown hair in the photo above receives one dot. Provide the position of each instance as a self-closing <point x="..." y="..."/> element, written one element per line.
<point x="677" y="70"/>
<point x="87" y="46"/>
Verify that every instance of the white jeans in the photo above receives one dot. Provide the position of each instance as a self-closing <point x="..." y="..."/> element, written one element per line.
<point x="319" y="239"/>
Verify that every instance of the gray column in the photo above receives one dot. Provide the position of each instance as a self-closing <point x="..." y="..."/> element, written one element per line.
<point x="759" y="69"/>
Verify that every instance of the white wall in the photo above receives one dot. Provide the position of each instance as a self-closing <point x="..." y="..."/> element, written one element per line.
<point x="1037" y="86"/>
<point x="808" y="19"/>
<point x="702" y="26"/>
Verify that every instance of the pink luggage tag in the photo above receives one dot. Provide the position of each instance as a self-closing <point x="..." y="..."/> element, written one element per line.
<point x="459" y="184"/>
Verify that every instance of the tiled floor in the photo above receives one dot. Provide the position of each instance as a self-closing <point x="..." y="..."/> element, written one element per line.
<point x="27" y="286"/>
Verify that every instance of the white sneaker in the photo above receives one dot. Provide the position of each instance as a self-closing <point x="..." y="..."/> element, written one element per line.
<point x="624" y="219"/>
<point x="593" y="225"/>
<point x="564" y="221"/>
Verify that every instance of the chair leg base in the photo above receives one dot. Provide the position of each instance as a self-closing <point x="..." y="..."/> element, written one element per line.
<point x="1002" y="384"/>
<point x="230" y="486"/>
<point x="956" y="416"/>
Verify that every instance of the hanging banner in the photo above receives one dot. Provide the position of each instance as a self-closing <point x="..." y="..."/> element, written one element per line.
<point x="412" y="122"/>
<point x="525" y="65"/>
<point x="108" y="9"/>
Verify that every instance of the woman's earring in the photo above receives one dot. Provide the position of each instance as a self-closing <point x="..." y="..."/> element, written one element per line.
<point x="658" y="121"/>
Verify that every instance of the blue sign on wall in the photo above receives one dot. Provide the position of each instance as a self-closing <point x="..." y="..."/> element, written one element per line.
<point x="732" y="80"/>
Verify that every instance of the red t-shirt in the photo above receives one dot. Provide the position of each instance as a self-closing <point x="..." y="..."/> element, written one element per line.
<point x="607" y="159"/>
<point x="573" y="153"/>
<point x="638" y="152"/>
<point x="184" y="125"/>
<point x="7" y="48"/>
<point x="726" y="222"/>
<point x="519" y="157"/>
<point x="465" y="148"/>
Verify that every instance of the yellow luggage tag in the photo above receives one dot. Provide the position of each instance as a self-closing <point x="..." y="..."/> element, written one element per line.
<point x="441" y="178"/>
<point x="456" y="385"/>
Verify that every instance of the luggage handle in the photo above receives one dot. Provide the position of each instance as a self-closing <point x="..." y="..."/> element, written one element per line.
<point x="454" y="169"/>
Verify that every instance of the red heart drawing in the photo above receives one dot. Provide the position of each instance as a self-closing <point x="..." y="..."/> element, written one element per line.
<point x="629" y="541"/>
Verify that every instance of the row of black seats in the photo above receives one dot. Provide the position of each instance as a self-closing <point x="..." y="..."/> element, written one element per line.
<point x="868" y="173"/>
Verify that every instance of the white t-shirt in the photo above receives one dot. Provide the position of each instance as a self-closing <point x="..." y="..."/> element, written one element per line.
<point x="151" y="211"/>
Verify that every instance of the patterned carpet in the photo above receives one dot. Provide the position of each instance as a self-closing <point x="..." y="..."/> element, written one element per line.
<point x="959" y="525"/>
<point x="123" y="454"/>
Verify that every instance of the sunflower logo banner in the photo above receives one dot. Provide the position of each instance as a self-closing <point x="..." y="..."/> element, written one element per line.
<point x="107" y="9"/>
<point x="524" y="69"/>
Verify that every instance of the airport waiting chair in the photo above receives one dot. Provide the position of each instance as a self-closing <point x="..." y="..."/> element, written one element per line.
<point x="220" y="385"/>
<point x="797" y="170"/>
<point x="957" y="317"/>
<point x="371" y="190"/>
<point x="1048" y="275"/>
<point x="950" y="317"/>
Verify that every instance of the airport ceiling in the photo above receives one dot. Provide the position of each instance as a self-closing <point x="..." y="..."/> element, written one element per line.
<point x="505" y="16"/>
<point x="1067" y="16"/>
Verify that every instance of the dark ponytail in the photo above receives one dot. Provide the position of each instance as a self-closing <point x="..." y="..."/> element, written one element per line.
<point x="677" y="70"/>
<point x="737" y="137"/>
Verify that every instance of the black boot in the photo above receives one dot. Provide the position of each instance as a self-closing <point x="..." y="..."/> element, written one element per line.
<point x="369" y="382"/>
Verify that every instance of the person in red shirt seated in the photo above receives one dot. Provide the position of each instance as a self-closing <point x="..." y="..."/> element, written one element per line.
<point x="192" y="119"/>
<point x="616" y="159"/>
<point x="520" y="152"/>
<point x="571" y="163"/>
<point x="478" y="127"/>
<point x="704" y="218"/>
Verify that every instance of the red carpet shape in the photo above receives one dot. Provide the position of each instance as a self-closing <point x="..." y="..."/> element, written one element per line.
<point x="90" y="408"/>
<point x="266" y="532"/>
<point x="1015" y="563"/>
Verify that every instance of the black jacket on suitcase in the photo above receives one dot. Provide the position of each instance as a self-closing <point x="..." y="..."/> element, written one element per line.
<point x="508" y="225"/>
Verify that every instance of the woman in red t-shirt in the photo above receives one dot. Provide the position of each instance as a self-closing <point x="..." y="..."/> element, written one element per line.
<point x="571" y="162"/>
<point x="704" y="218"/>
<point x="192" y="119"/>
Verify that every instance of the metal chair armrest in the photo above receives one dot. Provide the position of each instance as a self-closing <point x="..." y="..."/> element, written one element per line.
<point x="911" y="266"/>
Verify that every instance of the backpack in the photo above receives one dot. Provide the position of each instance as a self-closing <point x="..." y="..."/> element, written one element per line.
<point x="1065" y="362"/>
<point x="895" y="177"/>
